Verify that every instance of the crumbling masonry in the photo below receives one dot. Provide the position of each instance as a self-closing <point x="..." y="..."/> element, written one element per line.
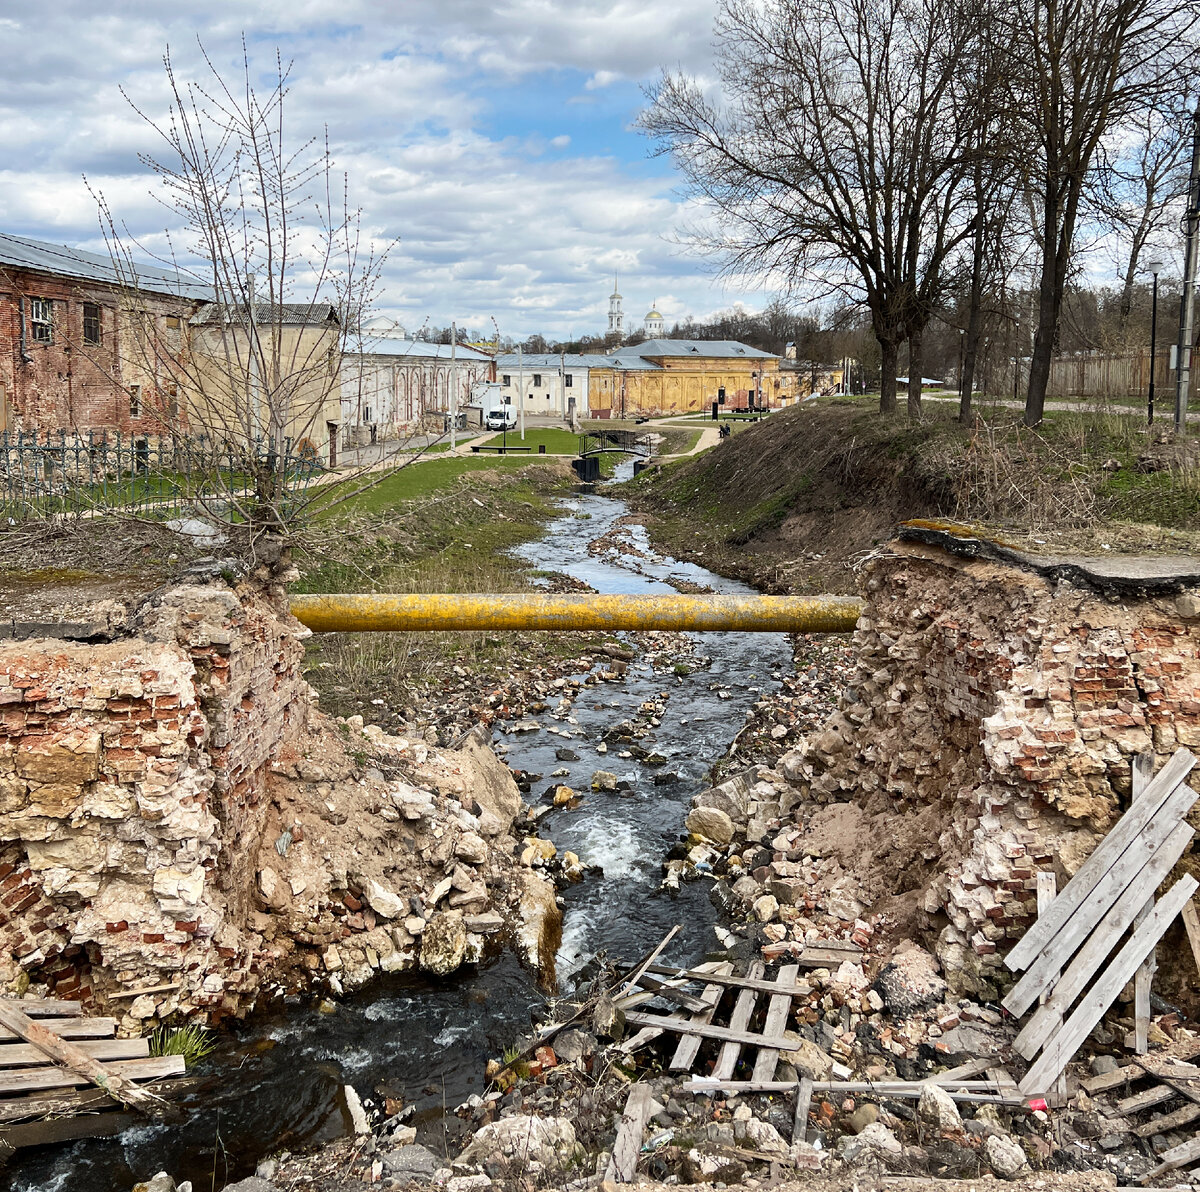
<point x="1014" y="702"/>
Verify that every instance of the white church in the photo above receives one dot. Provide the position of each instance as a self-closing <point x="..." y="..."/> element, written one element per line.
<point x="652" y="324"/>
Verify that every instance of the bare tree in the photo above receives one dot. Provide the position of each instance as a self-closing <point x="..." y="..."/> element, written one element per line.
<point x="1078" y="69"/>
<point x="263" y="227"/>
<point x="834" y="160"/>
<point x="1141" y="180"/>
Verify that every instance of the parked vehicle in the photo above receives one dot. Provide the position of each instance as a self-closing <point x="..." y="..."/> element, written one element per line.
<point x="502" y="418"/>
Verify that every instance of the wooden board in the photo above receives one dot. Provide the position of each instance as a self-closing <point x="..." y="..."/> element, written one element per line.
<point x="45" y="1007"/>
<point x="1105" y="855"/>
<point x="1130" y="1071"/>
<point x="804" y="1092"/>
<point x="1143" y="771"/>
<point x="83" y="1100"/>
<point x="37" y="1079"/>
<point x="1172" y="1121"/>
<point x="689" y="1045"/>
<point x="1103" y="993"/>
<point x="622" y="1167"/>
<point x="56" y="1130"/>
<point x="670" y="993"/>
<point x="1177" y="1156"/>
<point x="1118" y="895"/>
<point x="16" y="1055"/>
<point x="1095" y="949"/>
<point x="777" y="1016"/>
<point x="721" y="1033"/>
<point x="730" y="980"/>
<point x="739" y="1020"/>
<point x="71" y="1028"/>
<point x="1191" y="921"/>
<point x="1155" y="1095"/>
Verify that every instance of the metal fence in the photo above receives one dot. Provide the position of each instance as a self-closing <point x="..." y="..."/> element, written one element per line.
<point x="64" y="474"/>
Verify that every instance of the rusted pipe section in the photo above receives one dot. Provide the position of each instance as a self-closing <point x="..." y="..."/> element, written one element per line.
<point x="355" y="613"/>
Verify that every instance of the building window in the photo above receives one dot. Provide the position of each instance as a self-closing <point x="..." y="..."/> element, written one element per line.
<point x="507" y="380"/>
<point x="366" y="413"/>
<point x="171" y="393"/>
<point x="91" y="323"/>
<point x="569" y="381"/>
<point x="173" y="322"/>
<point x="537" y="380"/>
<point x="135" y="401"/>
<point x="41" y="320"/>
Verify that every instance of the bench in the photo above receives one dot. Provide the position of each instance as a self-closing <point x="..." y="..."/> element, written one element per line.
<point x="477" y="447"/>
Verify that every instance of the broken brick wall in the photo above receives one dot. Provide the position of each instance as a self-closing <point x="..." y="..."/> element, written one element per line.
<point x="132" y="790"/>
<point x="1016" y="704"/>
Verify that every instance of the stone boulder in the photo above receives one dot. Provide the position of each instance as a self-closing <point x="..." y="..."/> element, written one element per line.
<point x="539" y="932"/>
<point x="874" y="1141"/>
<point x="549" y="1141"/>
<point x="807" y="1058"/>
<point x="412" y="1161"/>
<point x="1004" y="1156"/>
<point x="443" y="943"/>
<point x="491" y="783"/>
<point x="937" y="1107"/>
<point x="711" y="824"/>
<point x="604" y="780"/>
<point x="911" y="981"/>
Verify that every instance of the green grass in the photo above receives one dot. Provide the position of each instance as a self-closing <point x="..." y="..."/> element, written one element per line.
<point x="555" y="440"/>
<point x="418" y="480"/>
<point x="192" y="1042"/>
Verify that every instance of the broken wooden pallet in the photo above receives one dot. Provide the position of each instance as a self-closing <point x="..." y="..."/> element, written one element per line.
<point x="47" y="1045"/>
<point x="1165" y="1078"/>
<point x="1070" y="956"/>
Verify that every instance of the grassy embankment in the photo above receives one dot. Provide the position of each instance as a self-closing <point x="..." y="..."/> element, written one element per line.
<point x="790" y="502"/>
<point x="443" y="526"/>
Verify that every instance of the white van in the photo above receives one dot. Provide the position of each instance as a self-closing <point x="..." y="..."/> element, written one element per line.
<point x="502" y="418"/>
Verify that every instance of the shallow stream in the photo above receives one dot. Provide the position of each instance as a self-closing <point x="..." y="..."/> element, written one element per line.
<point x="276" y="1081"/>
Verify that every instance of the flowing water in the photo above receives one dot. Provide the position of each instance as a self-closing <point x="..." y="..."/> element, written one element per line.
<point x="276" y="1081"/>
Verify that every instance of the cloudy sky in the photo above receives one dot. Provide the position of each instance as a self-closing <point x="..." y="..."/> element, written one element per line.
<point x="494" y="140"/>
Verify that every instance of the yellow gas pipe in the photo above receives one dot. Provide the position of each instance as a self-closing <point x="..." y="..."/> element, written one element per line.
<point x="356" y="613"/>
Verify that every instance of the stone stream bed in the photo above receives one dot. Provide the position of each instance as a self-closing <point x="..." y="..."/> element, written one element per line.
<point x="276" y="1081"/>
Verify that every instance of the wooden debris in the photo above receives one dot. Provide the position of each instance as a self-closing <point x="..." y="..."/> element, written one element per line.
<point x="804" y="1092"/>
<point x="732" y="981"/>
<point x="689" y="1045"/>
<point x="778" y="1009"/>
<point x="1143" y="771"/>
<point x="622" y="1167"/>
<point x="743" y="1009"/>
<point x="704" y="1031"/>
<point x="35" y="1080"/>
<point x="116" y="1083"/>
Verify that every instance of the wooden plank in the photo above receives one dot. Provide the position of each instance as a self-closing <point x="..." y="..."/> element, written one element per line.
<point x="72" y="1028"/>
<point x="1096" y="948"/>
<point x="38" y="1079"/>
<point x="912" y="1089"/>
<point x="45" y="1007"/>
<point x="1134" y="1071"/>
<point x="1177" y="1156"/>
<point x="62" y="1051"/>
<point x="670" y="993"/>
<point x="689" y="1045"/>
<point x="721" y="1033"/>
<point x="81" y="1100"/>
<point x="777" y="1015"/>
<point x="1155" y="1095"/>
<point x="631" y="979"/>
<point x="1143" y="770"/>
<point x="622" y="1167"/>
<point x="1110" y="983"/>
<point x="1104" y="856"/>
<point x="733" y="981"/>
<point x="641" y="996"/>
<point x="804" y="1092"/>
<point x="15" y="1055"/>
<point x="1116" y="899"/>
<point x="130" y="993"/>
<point x="743" y="1009"/>
<point x="1191" y="922"/>
<point x="962" y="1072"/>
<point x="824" y="956"/>
<point x="57" y="1130"/>
<point x="1172" y="1121"/>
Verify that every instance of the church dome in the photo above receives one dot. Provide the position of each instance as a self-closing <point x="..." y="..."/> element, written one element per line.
<point x="654" y="315"/>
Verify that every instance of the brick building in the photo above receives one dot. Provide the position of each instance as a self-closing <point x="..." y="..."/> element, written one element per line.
<point x="80" y="339"/>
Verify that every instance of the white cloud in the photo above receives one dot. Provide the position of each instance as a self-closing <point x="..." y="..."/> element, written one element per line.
<point x="427" y="109"/>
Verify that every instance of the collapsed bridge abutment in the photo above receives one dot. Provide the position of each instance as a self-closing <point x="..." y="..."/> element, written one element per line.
<point x="997" y="705"/>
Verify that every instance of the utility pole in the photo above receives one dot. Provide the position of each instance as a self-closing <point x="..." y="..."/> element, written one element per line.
<point x="1187" y="302"/>
<point x="453" y="388"/>
<point x="520" y="392"/>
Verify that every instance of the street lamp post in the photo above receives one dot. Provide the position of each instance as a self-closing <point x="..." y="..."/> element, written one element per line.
<point x="960" y="361"/>
<point x="1016" y="349"/>
<point x="1154" y="266"/>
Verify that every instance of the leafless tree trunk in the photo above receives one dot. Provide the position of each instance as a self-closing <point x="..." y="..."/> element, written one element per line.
<point x="835" y="162"/>
<point x="1080" y="68"/>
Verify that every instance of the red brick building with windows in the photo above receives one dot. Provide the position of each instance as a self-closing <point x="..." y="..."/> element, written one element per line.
<point x="77" y="351"/>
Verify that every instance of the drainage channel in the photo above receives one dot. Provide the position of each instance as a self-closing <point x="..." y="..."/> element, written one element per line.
<point x="277" y="1079"/>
